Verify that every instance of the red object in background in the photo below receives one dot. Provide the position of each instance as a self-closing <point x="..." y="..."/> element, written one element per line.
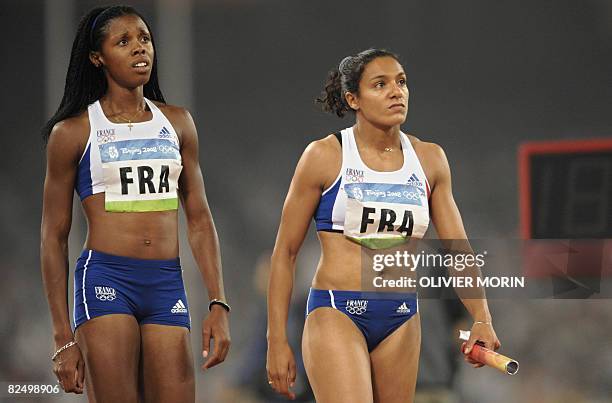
<point x="527" y="153"/>
<point x="565" y="194"/>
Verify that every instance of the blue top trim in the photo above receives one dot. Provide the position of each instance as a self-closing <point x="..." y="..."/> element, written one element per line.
<point x="83" y="183"/>
<point x="323" y="214"/>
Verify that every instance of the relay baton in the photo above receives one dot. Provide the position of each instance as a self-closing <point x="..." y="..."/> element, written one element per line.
<point x="489" y="357"/>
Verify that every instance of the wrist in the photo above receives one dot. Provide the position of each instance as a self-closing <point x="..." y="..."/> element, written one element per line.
<point x="277" y="338"/>
<point x="62" y="348"/>
<point x="63" y="338"/>
<point x="215" y="308"/>
<point x="482" y="316"/>
<point x="218" y="303"/>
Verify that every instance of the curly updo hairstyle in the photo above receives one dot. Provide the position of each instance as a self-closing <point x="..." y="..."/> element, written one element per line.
<point x="346" y="79"/>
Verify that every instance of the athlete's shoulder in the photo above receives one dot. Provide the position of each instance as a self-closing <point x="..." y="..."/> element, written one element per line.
<point x="425" y="149"/>
<point x="173" y="111"/>
<point x="69" y="136"/>
<point x="178" y="116"/>
<point x="321" y="160"/>
<point x="72" y="129"/>
<point x="72" y="126"/>
<point x="323" y="149"/>
<point x="432" y="158"/>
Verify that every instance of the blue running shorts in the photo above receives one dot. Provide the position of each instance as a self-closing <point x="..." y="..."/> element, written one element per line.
<point x="376" y="314"/>
<point x="150" y="290"/>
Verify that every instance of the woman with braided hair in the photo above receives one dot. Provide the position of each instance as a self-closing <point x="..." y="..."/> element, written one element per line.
<point x="359" y="345"/>
<point x="130" y="157"/>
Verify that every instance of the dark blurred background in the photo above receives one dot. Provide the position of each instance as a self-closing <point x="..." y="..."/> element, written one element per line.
<point x="483" y="76"/>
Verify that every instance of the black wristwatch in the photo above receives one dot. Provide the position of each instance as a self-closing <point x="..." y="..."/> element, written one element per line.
<point x="219" y="302"/>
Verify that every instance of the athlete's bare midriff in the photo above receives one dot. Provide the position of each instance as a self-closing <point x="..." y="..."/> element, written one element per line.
<point x="148" y="235"/>
<point x="342" y="261"/>
<point x="344" y="264"/>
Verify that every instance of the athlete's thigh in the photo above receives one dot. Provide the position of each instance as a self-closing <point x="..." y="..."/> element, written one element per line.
<point x="336" y="358"/>
<point x="167" y="364"/>
<point x="111" y="347"/>
<point x="395" y="363"/>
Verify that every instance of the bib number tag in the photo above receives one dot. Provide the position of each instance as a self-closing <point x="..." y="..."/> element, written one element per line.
<point x="140" y="175"/>
<point x="381" y="215"/>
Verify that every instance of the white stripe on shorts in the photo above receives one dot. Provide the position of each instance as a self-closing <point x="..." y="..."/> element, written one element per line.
<point x="308" y="301"/>
<point x="84" y="297"/>
<point x="74" y="305"/>
<point x="333" y="302"/>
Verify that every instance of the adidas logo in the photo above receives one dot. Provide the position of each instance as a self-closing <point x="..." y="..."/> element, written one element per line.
<point x="414" y="181"/>
<point x="403" y="308"/>
<point x="179" y="307"/>
<point x="164" y="133"/>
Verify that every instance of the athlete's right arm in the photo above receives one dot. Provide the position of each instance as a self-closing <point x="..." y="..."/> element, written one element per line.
<point x="63" y="153"/>
<point x="317" y="169"/>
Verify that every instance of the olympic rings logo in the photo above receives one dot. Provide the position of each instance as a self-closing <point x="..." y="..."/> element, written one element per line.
<point x="166" y="149"/>
<point x="354" y="309"/>
<point x="104" y="293"/>
<point x="106" y="297"/>
<point x="354" y="178"/>
<point x="411" y="195"/>
<point x="105" y="136"/>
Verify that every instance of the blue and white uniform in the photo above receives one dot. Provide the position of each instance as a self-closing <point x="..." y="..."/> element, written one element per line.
<point x="137" y="167"/>
<point x="377" y="210"/>
<point x="150" y="290"/>
<point x="376" y="314"/>
<point x="372" y="207"/>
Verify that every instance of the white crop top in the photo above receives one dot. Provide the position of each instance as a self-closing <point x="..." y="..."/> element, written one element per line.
<point x="136" y="165"/>
<point x="376" y="209"/>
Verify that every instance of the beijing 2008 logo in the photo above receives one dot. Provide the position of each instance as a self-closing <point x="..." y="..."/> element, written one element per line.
<point x="356" y="306"/>
<point x="357" y="194"/>
<point x="112" y="152"/>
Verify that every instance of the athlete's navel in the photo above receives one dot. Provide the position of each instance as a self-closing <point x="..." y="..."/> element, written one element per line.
<point x="147" y="242"/>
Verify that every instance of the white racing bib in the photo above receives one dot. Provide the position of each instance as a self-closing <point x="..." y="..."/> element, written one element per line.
<point x="140" y="175"/>
<point x="382" y="215"/>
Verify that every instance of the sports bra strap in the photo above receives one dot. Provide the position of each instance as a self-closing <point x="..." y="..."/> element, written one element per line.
<point x="339" y="137"/>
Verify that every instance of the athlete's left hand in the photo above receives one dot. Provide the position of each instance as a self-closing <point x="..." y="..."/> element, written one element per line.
<point x="484" y="333"/>
<point x="216" y="327"/>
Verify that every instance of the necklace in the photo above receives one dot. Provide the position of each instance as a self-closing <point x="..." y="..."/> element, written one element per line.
<point x="386" y="149"/>
<point x="124" y="120"/>
<point x="128" y="120"/>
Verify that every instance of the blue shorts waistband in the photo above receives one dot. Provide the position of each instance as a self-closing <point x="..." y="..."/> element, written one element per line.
<point x="97" y="256"/>
<point x="365" y="294"/>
